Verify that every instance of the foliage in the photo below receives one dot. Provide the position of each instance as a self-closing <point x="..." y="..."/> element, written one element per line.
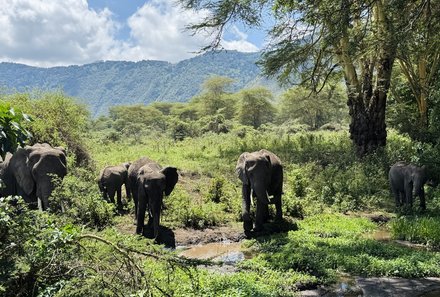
<point x="12" y="131"/>
<point x="328" y="244"/>
<point x="255" y="107"/>
<point x="82" y="201"/>
<point x="417" y="228"/>
<point x="57" y="119"/>
<point x="313" y="109"/>
<point x="36" y="249"/>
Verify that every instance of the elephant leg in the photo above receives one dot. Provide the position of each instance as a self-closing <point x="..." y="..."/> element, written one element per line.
<point x="396" y="194"/>
<point x="408" y="194"/>
<point x="127" y="191"/>
<point x="262" y="211"/>
<point x="134" y="193"/>
<point x="119" y="198"/>
<point x="111" y="194"/>
<point x="245" y="208"/>
<point x="141" y="209"/>
<point x="279" y="210"/>
<point x="421" y="194"/>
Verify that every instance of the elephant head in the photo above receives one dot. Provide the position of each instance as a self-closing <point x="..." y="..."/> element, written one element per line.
<point x="254" y="169"/>
<point x="153" y="183"/>
<point x="34" y="169"/>
<point x="262" y="175"/>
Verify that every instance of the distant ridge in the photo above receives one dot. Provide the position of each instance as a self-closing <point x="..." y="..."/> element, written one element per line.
<point x="101" y="85"/>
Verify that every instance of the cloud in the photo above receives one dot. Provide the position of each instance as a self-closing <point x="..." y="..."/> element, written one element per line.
<point x="241" y="44"/>
<point x="53" y="32"/>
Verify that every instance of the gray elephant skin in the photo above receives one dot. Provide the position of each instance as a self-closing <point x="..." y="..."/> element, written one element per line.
<point x="31" y="170"/>
<point x="110" y="182"/>
<point x="149" y="183"/>
<point x="261" y="173"/>
<point x="407" y="180"/>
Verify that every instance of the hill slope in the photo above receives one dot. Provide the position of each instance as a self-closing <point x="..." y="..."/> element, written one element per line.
<point x="104" y="84"/>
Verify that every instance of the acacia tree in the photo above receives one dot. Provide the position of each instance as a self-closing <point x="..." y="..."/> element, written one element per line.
<point x="255" y="107"/>
<point x="317" y="38"/>
<point x="419" y="54"/>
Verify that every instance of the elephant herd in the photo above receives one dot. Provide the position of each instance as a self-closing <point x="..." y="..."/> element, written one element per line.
<point x="31" y="170"/>
<point x="148" y="182"/>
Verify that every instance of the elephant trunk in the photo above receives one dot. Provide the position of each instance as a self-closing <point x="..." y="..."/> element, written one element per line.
<point x="261" y="193"/>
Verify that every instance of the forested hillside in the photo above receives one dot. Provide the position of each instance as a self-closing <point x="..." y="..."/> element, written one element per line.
<point x="104" y="84"/>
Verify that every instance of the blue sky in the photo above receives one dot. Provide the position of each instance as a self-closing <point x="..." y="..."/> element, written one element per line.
<point x="65" y="32"/>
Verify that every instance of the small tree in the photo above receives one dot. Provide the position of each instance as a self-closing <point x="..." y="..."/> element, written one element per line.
<point x="311" y="108"/>
<point x="255" y="107"/>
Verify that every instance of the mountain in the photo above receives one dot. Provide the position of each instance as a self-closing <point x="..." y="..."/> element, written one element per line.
<point x="101" y="85"/>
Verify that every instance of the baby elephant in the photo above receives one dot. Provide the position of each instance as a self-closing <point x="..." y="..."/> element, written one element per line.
<point x="406" y="180"/>
<point x="110" y="181"/>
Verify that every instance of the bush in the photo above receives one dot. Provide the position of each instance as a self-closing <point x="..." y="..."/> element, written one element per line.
<point x="57" y="119"/>
<point x="418" y="229"/>
<point x="83" y="201"/>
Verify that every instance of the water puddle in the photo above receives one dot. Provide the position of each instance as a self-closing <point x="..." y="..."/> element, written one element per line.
<point x="380" y="235"/>
<point x="226" y="252"/>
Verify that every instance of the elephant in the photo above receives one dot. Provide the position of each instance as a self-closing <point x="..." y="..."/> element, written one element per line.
<point x="405" y="180"/>
<point x="261" y="173"/>
<point x="110" y="182"/>
<point x="8" y="186"/>
<point x="151" y="183"/>
<point x="29" y="172"/>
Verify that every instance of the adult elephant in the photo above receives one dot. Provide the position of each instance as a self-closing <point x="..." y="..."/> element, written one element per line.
<point x="34" y="169"/>
<point x="407" y="180"/>
<point x="261" y="173"/>
<point x="8" y="186"/>
<point x="110" y="182"/>
<point x="151" y="184"/>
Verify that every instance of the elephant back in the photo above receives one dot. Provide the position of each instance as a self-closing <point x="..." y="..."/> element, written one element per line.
<point x="133" y="169"/>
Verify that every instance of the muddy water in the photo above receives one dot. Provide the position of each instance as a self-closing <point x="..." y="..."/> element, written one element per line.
<point x="227" y="252"/>
<point x="380" y="235"/>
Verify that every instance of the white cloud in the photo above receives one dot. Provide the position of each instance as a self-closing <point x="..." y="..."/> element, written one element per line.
<point x="54" y="32"/>
<point x="241" y="44"/>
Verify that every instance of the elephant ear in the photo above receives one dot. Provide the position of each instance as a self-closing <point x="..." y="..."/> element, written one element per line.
<point x="171" y="179"/>
<point x="22" y="171"/>
<point x="240" y="168"/>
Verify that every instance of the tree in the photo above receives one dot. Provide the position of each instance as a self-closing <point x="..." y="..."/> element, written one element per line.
<point x="57" y="120"/>
<point x="12" y="132"/>
<point x="313" y="109"/>
<point x="317" y="38"/>
<point x="419" y="55"/>
<point x="214" y="98"/>
<point x="255" y="108"/>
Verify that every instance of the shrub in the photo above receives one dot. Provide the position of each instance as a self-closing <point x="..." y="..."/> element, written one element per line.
<point x="84" y="203"/>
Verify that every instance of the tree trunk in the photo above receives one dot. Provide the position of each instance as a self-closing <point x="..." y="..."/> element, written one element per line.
<point x="367" y="108"/>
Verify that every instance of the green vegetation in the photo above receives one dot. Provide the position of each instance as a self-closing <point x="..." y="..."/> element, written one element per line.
<point x="12" y="131"/>
<point x="87" y="248"/>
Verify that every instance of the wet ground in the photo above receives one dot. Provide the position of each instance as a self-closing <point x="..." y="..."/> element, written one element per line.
<point x="223" y="245"/>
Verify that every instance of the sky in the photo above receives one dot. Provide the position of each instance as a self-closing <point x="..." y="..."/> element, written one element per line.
<point x="49" y="33"/>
